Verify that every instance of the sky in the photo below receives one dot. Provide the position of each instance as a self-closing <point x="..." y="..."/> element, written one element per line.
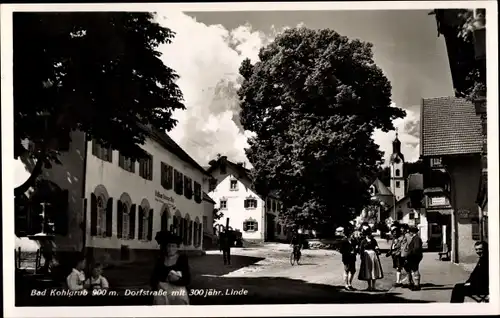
<point x="209" y="47"/>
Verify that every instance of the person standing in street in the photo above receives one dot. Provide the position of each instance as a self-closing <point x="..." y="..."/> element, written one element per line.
<point x="348" y="250"/>
<point x="405" y="240"/>
<point x="371" y="268"/>
<point x="414" y="255"/>
<point x="479" y="280"/>
<point x="395" y="253"/>
<point x="171" y="273"/>
<point x="225" y="247"/>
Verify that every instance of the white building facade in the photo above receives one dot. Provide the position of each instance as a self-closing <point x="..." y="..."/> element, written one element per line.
<point x="113" y="206"/>
<point x="163" y="192"/>
<point x="255" y="217"/>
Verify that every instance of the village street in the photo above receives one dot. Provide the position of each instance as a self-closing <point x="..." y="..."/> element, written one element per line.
<point x="263" y="275"/>
<point x="265" y="272"/>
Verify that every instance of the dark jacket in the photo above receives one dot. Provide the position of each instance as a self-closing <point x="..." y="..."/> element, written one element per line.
<point x="480" y="277"/>
<point x="414" y="248"/>
<point x="348" y="249"/>
<point x="225" y="241"/>
<point x="160" y="272"/>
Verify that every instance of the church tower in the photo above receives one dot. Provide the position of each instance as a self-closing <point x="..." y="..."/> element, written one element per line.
<point x="397" y="170"/>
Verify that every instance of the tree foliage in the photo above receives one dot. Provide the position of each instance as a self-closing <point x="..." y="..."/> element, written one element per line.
<point x="96" y="72"/>
<point x="313" y="101"/>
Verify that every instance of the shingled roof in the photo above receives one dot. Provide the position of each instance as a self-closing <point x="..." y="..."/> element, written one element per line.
<point x="449" y="126"/>
<point x="380" y="188"/>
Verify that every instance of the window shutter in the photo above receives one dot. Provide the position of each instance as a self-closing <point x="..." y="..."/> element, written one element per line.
<point x="94" y="147"/>
<point x="256" y="227"/>
<point x="150" y="171"/>
<point x="132" y="222"/>
<point x="93" y="215"/>
<point x="190" y="232"/>
<point x="150" y="225"/>
<point x="109" y="218"/>
<point x="119" y="219"/>
<point x="61" y="213"/>
<point x="121" y="161"/>
<point x="141" y="222"/>
<point x="245" y="226"/>
<point x="164" y="225"/>
<point x="109" y="153"/>
<point x="246" y="203"/>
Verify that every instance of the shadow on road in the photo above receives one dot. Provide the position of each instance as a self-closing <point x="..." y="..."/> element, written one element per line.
<point x="431" y="286"/>
<point x="277" y="290"/>
<point x="213" y="264"/>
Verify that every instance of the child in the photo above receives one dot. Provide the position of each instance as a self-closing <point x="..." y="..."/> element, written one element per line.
<point x="348" y="249"/>
<point x="395" y="253"/>
<point x="96" y="280"/>
<point x="76" y="278"/>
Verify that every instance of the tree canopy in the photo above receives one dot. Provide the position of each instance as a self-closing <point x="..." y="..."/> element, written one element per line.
<point x="97" y="72"/>
<point x="313" y="100"/>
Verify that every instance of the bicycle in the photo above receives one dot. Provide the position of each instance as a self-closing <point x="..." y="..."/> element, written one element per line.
<point x="295" y="257"/>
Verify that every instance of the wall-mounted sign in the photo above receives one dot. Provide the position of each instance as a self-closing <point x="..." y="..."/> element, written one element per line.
<point x="436" y="162"/>
<point x="163" y="197"/>
<point x="437" y="201"/>
<point x="463" y="213"/>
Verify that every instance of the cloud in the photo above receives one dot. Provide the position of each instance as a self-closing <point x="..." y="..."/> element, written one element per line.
<point x="207" y="59"/>
<point x="408" y="134"/>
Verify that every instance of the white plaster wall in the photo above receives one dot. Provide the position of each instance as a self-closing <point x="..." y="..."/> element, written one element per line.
<point x="419" y="213"/>
<point x="236" y="211"/>
<point x="118" y="181"/>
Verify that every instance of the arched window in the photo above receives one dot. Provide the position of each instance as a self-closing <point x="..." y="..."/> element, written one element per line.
<point x="101" y="213"/>
<point x="197" y="227"/>
<point x="123" y="223"/>
<point x="398" y="172"/>
<point x="164" y="217"/>
<point x="185" y="229"/>
<point x="145" y="222"/>
<point x="176" y="226"/>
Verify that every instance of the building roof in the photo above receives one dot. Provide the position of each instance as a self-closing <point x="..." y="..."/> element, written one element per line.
<point x="168" y="143"/>
<point x="380" y="188"/>
<point x="449" y="126"/>
<point x="415" y="182"/>
<point x="206" y="197"/>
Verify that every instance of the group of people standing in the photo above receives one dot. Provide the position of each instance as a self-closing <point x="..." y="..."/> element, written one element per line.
<point x="406" y="252"/>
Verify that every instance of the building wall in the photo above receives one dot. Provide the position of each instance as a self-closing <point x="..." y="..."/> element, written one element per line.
<point x="70" y="176"/>
<point x="118" y="181"/>
<point x="236" y="211"/>
<point x="413" y="217"/>
<point x="208" y="217"/>
<point x="465" y="172"/>
<point x="273" y="206"/>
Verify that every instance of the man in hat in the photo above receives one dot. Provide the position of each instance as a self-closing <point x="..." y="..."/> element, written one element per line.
<point x="348" y="250"/>
<point x="225" y="245"/>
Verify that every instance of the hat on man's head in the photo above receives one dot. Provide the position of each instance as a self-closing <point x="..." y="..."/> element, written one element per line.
<point x="166" y="237"/>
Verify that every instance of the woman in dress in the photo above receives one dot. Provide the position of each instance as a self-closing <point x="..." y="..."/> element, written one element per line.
<point x="370" y="269"/>
<point x="171" y="273"/>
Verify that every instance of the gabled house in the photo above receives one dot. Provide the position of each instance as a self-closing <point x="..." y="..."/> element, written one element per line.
<point x="451" y="146"/>
<point x="255" y="216"/>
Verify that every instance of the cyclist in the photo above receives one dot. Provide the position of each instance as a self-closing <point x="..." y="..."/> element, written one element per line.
<point x="297" y="243"/>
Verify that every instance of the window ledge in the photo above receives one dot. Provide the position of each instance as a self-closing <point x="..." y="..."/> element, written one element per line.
<point x="233" y="189"/>
<point x="251" y="208"/>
